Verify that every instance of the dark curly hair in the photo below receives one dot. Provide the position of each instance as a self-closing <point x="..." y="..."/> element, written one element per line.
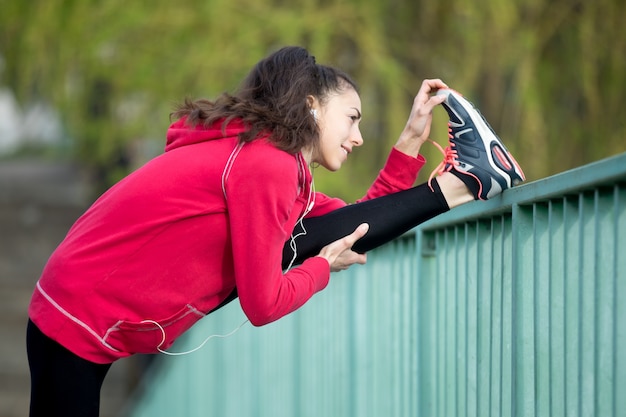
<point x="273" y="99"/>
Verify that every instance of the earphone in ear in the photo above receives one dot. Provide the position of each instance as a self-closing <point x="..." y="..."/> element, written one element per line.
<point x="314" y="113"/>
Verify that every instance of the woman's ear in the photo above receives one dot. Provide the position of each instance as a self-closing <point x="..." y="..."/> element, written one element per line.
<point x="313" y="102"/>
<point x="313" y="106"/>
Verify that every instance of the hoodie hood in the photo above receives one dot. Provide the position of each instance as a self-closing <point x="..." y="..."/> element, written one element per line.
<point x="181" y="134"/>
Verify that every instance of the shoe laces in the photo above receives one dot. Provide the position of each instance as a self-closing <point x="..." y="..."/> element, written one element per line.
<point x="450" y="158"/>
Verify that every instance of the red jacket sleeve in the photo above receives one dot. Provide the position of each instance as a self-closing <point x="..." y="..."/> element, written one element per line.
<point x="264" y="202"/>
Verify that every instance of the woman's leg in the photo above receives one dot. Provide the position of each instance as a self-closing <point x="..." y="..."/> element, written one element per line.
<point x="388" y="217"/>
<point x="62" y="384"/>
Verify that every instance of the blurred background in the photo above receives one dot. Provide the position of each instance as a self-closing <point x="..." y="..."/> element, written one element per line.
<point x="86" y="89"/>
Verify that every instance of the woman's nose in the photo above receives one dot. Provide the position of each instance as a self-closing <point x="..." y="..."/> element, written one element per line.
<point x="357" y="138"/>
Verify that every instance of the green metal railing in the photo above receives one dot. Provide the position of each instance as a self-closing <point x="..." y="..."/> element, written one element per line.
<point x="529" y="301"/>
<point x="511" y="307"/>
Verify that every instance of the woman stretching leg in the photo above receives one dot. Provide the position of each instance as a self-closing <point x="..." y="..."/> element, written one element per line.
<point x="171" y="241"/>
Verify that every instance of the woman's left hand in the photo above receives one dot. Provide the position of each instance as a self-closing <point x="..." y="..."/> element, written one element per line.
<point x="417" y="128"/>
<point x="339" y="253"/>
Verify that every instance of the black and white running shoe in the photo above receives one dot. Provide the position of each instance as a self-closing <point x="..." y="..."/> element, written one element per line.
<point x="475" y="154"/>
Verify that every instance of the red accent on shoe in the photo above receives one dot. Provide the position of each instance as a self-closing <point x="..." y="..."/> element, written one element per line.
<point x="519" y="168"/>
<point x="504" y="160"/>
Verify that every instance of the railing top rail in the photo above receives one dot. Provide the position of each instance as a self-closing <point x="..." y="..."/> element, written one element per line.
<point x="605" y="172"/>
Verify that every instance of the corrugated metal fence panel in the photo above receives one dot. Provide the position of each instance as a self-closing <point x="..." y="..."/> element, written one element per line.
<point x="523" y="302"/>
<point x="349" y="352"/>
<point x="511" y="307"/>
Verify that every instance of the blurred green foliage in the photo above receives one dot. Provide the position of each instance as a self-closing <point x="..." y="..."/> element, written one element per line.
<point x="548" y="75"/>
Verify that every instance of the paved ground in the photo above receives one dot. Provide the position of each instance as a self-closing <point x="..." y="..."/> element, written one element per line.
<point x="38" y="203"/>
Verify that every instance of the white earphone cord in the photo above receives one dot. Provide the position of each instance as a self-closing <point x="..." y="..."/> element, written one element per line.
<point x="222" y="336"/>
<point x="309" y="206"/>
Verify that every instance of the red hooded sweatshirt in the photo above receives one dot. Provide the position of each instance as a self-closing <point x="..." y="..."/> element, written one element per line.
<point x="171" y="241"/>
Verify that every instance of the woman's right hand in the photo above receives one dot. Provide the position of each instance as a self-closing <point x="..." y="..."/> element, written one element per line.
<point x="417" y="127"/>
<point x="340" y="255"/>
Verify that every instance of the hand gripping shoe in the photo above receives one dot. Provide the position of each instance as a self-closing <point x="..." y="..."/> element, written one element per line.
<point x="476" y="155"/>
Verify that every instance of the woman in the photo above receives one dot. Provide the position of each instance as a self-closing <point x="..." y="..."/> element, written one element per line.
<point x="215" y="216"/>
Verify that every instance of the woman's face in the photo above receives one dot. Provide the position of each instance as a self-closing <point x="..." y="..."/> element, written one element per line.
<point x="338" y="120"/>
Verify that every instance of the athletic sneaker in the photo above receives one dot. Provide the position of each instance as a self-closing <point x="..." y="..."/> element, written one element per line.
<point x="476" y="155"/>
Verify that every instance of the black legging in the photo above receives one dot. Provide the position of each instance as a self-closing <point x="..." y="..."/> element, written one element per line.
<point x="388" y="217"/>
<point x="64" y="384"/>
